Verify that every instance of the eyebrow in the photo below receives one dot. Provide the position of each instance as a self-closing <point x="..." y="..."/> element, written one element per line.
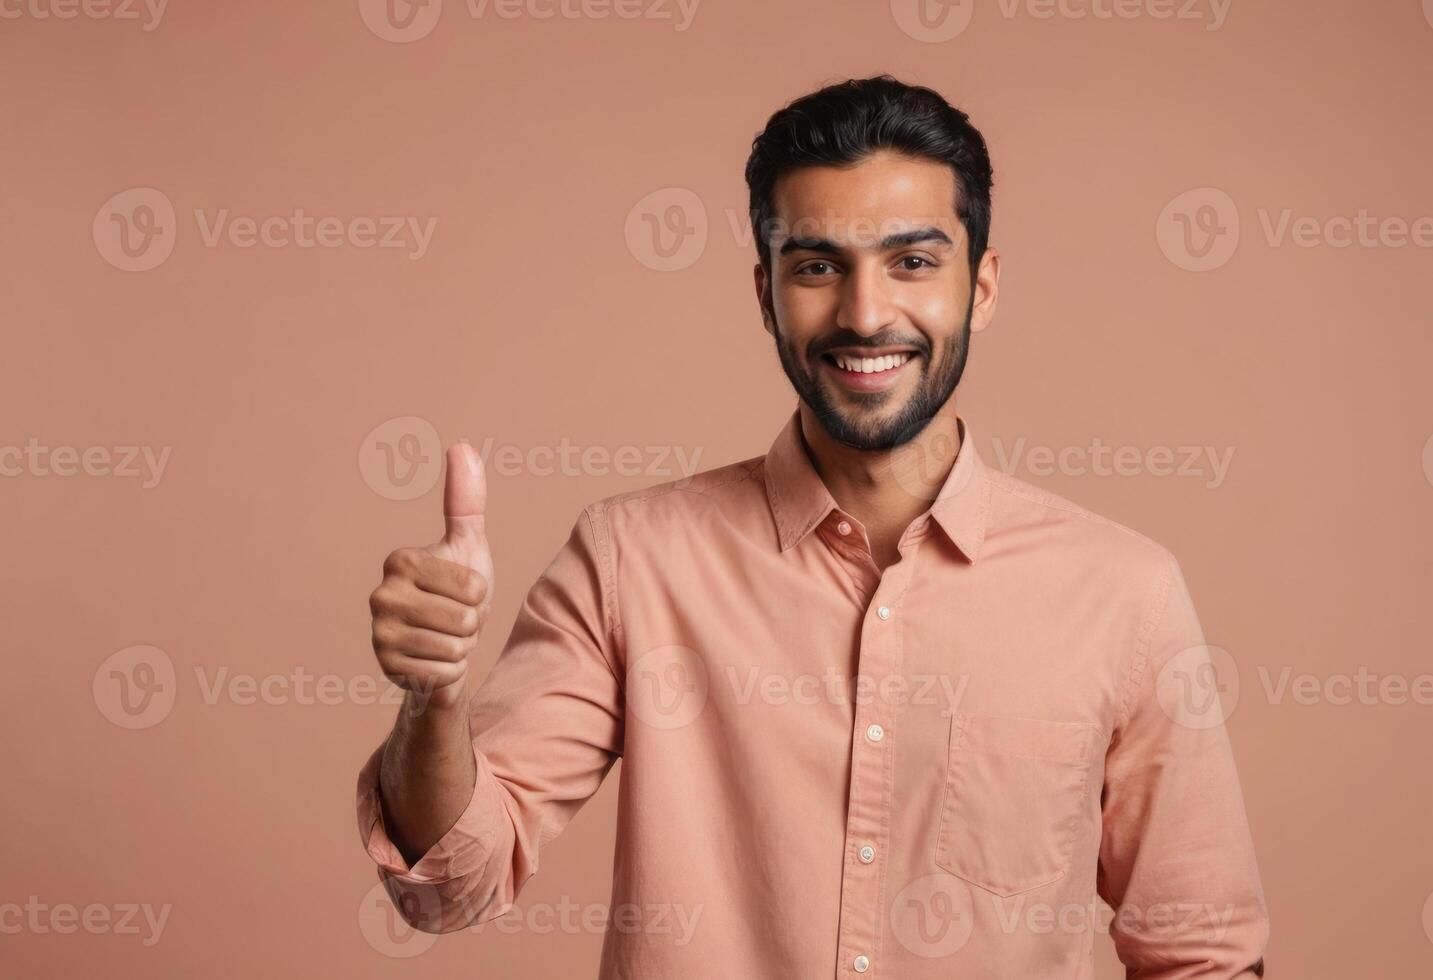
<point x="898" y="240"/>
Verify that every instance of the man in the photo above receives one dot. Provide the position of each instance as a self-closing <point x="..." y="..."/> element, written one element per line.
<point x="882" y="710"/>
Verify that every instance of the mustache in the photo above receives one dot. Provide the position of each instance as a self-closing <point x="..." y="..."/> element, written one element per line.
<point x="849" y="338"/>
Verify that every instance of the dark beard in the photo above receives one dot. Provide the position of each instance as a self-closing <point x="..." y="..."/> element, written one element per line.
<point x="938" y="382"/>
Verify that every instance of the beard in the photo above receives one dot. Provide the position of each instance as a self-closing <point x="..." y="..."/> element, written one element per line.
<point x="862" y="427"/>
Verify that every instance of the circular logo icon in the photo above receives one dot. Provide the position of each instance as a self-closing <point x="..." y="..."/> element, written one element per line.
<point x="402" y="458"/>
<point x="666" y="231"/>
<point x="1199" y="230"/>
<point x="400" y="21"/>
<point x="919" y="462"/>
<point x="135" y="687"/>
<point x="1428" y="452"/>
<point x="1199" y="687"/>
<point x="667" y="687"/>
<point x="933" y="916"/>
<point x="388" y="931"/>
<point x="932" y="21"/>
<point x="136" y="229"/>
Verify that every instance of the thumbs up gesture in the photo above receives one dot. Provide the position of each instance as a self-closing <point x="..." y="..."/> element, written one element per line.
<point x="429" y="610"/>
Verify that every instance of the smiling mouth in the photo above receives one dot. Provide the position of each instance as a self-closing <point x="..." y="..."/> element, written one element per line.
<point x="858" y="364"/>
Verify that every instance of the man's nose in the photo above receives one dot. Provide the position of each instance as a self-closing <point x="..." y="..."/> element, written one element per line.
<point x="867" y="306"/>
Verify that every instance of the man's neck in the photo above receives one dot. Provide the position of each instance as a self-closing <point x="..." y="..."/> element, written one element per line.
<point x="885" y="491"/>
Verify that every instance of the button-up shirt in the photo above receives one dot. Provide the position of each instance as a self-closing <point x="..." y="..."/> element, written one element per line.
<point x="830" y="769"/>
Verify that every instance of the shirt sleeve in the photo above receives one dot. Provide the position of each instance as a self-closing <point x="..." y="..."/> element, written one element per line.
<point x="547" y="725"/>
<point x="1176" y="856"/>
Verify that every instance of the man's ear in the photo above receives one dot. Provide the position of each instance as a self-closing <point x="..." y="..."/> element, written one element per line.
<point x="763" y="297"/>
<point x="987" y="290"/>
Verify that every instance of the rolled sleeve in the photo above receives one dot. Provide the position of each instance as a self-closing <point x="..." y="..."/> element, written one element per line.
<point x="547" y="727"/>
<point x="1177" y="857"/>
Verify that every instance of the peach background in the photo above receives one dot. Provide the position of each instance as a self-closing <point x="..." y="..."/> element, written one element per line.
<point x="530" y="320"/>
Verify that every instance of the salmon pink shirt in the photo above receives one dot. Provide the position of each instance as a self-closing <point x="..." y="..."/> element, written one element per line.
<point x="833" y="771"/>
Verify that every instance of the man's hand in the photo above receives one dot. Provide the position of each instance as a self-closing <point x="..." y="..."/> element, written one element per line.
<point x="430" y="608"/>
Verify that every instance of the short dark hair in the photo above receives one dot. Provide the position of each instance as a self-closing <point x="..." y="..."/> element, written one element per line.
<point x="844" y="123"/>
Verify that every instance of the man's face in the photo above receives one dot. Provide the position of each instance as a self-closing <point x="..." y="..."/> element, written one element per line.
<point x="869" y="296"/>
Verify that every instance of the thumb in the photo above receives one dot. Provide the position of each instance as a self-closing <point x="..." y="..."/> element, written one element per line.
<point x="465" y="502"/>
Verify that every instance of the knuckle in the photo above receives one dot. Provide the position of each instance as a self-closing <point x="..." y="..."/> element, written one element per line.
<point x="469" y="621"/>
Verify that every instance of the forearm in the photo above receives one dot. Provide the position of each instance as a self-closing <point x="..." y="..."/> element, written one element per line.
<point x="427" y="775"/>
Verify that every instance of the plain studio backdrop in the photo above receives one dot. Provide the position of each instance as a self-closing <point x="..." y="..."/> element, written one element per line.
<point x="260" y="260"/>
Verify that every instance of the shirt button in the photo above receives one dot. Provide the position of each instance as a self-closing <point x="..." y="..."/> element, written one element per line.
<point x="867" y="854"/>
<point x="875" y="733"/>
<point x="861" y="964"/>
<point x="884" y="612"/>
<point x="844" y="527"/>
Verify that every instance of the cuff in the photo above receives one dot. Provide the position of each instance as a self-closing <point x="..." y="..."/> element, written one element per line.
<point x="462" y="851"/>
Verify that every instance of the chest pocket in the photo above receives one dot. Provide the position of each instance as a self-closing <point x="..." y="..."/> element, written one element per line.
<point x="1014" y="793"/>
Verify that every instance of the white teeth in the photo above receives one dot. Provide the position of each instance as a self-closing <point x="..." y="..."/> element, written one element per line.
<point x="871" y="365"/>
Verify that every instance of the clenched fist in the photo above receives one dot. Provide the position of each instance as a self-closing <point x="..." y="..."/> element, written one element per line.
<point x="429" y="610"/>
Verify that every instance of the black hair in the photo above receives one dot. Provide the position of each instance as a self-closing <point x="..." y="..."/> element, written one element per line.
<point x="844" y="123"/>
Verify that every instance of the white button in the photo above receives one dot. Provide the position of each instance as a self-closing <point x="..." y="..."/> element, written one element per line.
<point x="884" y="612"/>
<point x="875" y="733"/>
<point x="861" y="964"/>
<point x="844" y="527"/>
<point x="867" y="854"/>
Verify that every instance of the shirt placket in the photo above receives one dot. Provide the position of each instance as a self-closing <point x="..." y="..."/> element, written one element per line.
<point x="873" y="742"/>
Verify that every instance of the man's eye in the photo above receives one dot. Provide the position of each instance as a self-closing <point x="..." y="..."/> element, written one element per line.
<point x="917" y="258"/>
<point x="812" y="269"/>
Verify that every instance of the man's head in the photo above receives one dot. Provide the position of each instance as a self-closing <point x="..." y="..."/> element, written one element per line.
<point x="871" y="205"/>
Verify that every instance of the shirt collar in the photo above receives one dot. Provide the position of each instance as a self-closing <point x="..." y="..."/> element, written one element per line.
<point x="800" y="501"/>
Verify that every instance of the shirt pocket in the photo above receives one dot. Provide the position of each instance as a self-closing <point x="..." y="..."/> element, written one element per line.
<point x="1014" y="794"/>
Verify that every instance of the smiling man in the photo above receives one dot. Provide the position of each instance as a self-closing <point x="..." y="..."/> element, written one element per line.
<point x="882" y="710"/>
